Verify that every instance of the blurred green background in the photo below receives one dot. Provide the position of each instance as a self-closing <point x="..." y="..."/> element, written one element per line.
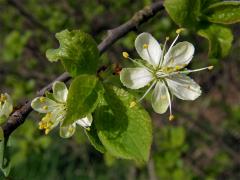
<point x="202" y="143"/>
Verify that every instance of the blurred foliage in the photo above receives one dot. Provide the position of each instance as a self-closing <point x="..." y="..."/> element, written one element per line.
<point x="203" y="142"/>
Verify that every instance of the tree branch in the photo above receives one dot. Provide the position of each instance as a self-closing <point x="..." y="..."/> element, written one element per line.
<point x="18" y="117"/>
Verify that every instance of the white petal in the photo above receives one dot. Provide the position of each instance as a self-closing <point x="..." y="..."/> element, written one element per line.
<point x="179" y="55"/>
<point x="60" y="91"/>
<point x="7" y="106"/>
<point x="44" y="104"/>
<point x="153" y="53"/>
<point x="85" y="122"/>
<point x="135" y="78"/>
<point x="160" y="98"/>
<point x="183" y="87"/>
<point x="67" y="131"/>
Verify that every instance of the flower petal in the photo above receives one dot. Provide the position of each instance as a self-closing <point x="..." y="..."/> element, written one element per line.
<point x="135" y="78"/>
<point x="179" y="55"/>
<point x="152" y="54"/>
<point x="67" y="131"/>
<point x="183" y="87"/>
<point x="85" y="122"/>
<point x="60" y="91"/>
<point x="7" y="106"/>
<point x="43" y="104"/>
<point x="160" y="98"/>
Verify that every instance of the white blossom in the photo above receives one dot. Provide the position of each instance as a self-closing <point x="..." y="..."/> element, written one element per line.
<point x="163" y="72"/>
<point x="6" y="107"/>
<point x="55" y="109"/>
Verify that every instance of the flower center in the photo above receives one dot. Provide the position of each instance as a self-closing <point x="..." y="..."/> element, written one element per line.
<point x="46" y="123"/>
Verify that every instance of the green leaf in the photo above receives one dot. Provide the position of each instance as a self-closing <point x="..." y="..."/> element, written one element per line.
<point x="185" y="13"/>
<point x="207" y="3"/>
<point x="94" y="139"/>
<point x="125" y="132"/>
<point x="224" y="12"/>
<point x="83" y="97"/>
<point x="220" y="40"/>
<point x="78" y="52"/>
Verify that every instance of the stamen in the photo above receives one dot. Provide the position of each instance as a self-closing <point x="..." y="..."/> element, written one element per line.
<point x="147" y="91"/>
<point x="163" y="52"/>
<point x="171" y="117"/>
<point x="47" y="131"/>
<point x="145" y="46"/>
<point x="178" y="31"/>
<point x="42" y="99"/>
<point x="196" y="70"/>
<point x="184" y="72"/>
<point x="45" y="107"/>
<point x="169" y="50"/>
<point x="125" y="55"/>
<point x="132" y="104"/>
<point x="210" y="67"/>
<point x="134" y="61"/>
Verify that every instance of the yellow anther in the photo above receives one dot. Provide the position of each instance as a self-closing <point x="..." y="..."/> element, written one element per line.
<point x="42" y="99"/>
<point x="178" y="67"/>
<point x="210" y="67"/>
<point x="88" y="128"/>
<point x="49" y="123"/>
<point x="125" y="55"/>
<point x="167" y="38"/>
<point x="145" y="46"/>
<point x="47" y="131"/>
<point x="40" y="125"/>
<point x="45" y="107"/>
<point x="178" y="31"/>
<point x="171" y="117"/>
<point x="132" y="104"/>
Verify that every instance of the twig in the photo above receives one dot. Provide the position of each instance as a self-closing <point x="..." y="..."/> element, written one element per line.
<point x="18" y="117"/>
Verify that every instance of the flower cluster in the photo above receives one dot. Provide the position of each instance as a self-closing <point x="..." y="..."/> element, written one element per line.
<point x="162" y="70"/>
<point x="6" y="107"/>
<point x="54" y="106"/>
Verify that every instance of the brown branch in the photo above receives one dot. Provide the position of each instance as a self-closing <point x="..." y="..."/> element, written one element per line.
<point x="18" y="117"/>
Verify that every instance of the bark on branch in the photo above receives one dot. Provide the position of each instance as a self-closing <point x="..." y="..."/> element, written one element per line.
<point x="18" y="117"/>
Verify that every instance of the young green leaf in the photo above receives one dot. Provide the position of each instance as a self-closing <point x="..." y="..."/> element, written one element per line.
<point x="125" y="132"/>
<point x="83" y="97"/>
<point x="207" y="3"/>
<point x="78" y="52"/>
<point x="224" y="12"/>
<point x="220" y="40"/>
<point x="185" y="13"/>
<point x="94" y="139"/>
